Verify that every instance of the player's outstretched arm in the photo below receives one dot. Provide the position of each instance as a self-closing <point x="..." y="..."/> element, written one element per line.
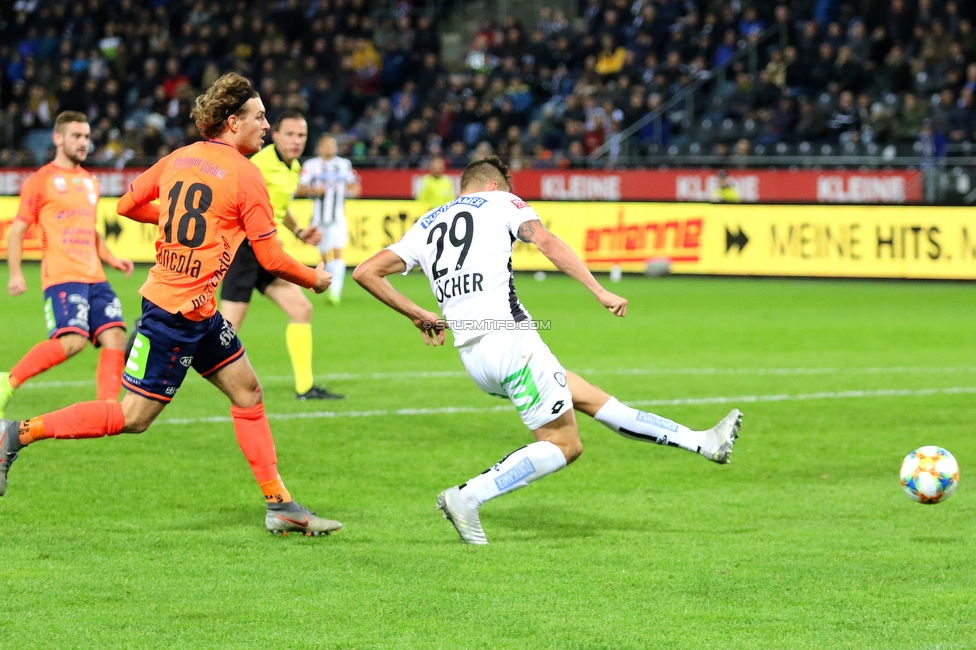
<point x="371" y="275"/>
<point x="567" y="261"/>
<point x="272" y="257"/>
<point x="104" y="254"/>
<point x="143" y="213"/>
<point x="16" y="284"/>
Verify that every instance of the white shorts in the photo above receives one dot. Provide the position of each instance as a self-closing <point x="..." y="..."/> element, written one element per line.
<point x="518" y="365"/>
<point x="334" y="235"/>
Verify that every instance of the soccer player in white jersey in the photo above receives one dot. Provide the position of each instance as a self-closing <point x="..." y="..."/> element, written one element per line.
<point x="465" y="248"/>
<point x="329" y="179"/>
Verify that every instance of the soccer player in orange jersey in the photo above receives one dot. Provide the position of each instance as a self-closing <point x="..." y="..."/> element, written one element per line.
<point x="61" y="200"/>
<point x="211" y="198"/>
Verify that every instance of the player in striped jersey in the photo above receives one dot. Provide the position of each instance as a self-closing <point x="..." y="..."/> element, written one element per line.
<point x="465" y="249"/>
<point x="329" y="179"/>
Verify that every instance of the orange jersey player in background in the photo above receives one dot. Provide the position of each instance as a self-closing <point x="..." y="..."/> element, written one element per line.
<point x="211" y="198"/>
<point x="61" y="200"/>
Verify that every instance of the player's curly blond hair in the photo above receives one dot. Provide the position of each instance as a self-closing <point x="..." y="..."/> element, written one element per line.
<point x="224" y="98"/>
<point x="486" y="170"/>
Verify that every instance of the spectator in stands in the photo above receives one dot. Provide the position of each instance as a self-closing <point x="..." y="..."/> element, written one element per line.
<point x="847" y="74"/>
<point x="576" y="155"/>
<point x="967" y="37"/>
<point x="844" y="120"/>
<point x="896" y="74"/>
<point x="941" y="109"/>
<point x="767" y="91"/>
<point x="879" y="126"/>
<point x="935" y="44"/>
<point x="334" y="57"/>
<point x="858" y="43"/>
<point x="820" y="70"/>
<point x="743" y="99"/>
<point x="931" y="143"/>
<point x="961" y="118"/>
<point x="779" y="127"/>
<point x="742" y="150"/>
<point x="726" y="49"/>
<point x="751" y="23"/>
<point x="811" y="124"/>
<point x="909" y="122"/>
<point x="610" y="60"/>
<point x="776" y="68"/>
<point x="900" y="22"/>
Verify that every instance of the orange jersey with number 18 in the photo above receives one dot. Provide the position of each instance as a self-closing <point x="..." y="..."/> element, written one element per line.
<point x="62" y="203"/>
<point x="211" y="198"/>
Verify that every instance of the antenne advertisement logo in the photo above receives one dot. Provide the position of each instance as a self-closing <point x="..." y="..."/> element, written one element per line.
<point x="640" y="240"/>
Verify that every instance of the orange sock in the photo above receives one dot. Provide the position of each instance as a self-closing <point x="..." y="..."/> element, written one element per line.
<point x="31" y="430"/>
<point x="108" y="377"/>
<point x="42" y="356"/>
<point x="275" y="491"/>
<point x="84" y="420"/>
<point x="254" y="437"/>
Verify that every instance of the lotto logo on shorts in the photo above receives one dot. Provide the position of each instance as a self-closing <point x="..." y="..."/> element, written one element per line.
<point x="657" y="421"/>
<point x="515" y="475"/>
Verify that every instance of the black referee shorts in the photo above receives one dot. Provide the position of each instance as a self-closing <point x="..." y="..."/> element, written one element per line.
<point x="244" y="275"/>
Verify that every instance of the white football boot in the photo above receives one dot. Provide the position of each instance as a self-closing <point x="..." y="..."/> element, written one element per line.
<point x="720" y="438"/>
<point x="464" y="517"/>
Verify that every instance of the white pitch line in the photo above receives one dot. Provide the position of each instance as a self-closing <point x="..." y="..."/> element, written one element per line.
<point x="740" y="399"/>
<point x="450" y="374"/>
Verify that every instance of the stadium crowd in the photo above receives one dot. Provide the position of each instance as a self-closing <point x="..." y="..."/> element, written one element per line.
<point x="831" y="76"/>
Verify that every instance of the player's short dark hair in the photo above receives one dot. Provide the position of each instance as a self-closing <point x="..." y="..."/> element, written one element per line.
<point x="224" y="98"/>
<point x="287" y="114"/>
<point x="67" y="117"/>
<point x="486" y="170"/>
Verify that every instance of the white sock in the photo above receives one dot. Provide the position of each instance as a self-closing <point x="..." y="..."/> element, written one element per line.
<point x="638" y="425"/>
<point x="515" y="471"/>
<point x="338" y="270"/>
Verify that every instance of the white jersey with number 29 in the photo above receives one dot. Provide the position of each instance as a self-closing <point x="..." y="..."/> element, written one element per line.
<point x="465" y="249"/>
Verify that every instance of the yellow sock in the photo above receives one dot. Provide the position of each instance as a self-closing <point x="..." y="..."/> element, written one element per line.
<point x="298" y="338"/>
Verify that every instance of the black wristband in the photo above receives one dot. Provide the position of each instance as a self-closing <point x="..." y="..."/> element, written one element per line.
<point x="298" y="233"/>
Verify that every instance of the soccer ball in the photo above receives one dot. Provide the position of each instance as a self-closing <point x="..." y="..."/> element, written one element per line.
<point x="929" y="474"/>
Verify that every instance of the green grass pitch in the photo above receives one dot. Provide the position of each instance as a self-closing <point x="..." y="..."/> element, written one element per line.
<point x="804" y="541"/>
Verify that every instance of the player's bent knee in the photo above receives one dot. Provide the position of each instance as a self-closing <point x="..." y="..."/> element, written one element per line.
<point x="248" y="395"/>
<point x="113" y="338"/>
<point x="572" y="450"/>
<point x="136" y="420"/>
<point x="137" y="425"/>
<point x="72" y="344"/>
<point x="564" y="433"/>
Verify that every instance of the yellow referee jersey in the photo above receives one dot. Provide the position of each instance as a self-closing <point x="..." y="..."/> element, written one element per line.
<point x="282" y="179"/>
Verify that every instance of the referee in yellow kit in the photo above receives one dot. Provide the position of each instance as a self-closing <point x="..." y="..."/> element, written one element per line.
<point x="279" y="165"/>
